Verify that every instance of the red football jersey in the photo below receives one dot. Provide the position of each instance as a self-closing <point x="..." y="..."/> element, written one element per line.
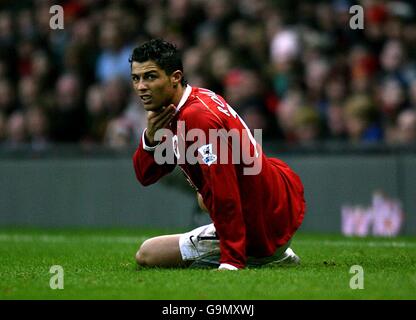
<point x="256" y="203"/>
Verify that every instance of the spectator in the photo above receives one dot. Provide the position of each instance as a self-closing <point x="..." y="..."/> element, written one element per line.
<point x="391" y="60"/>
<point x="37" y="128"/>
<point x="97" y="115"/>
<point x="7" y="97"/>
<point x="28" y="92"/>
<point x="406" y="128"/>
<point x="317" y="72"/>
<point x="80" y="55"/>
<point x="136" y="117"/>
<point x="115" y="96"/>
<point x="221" y="63"/>
<point x="362" y="66"/>
<point x="114" y="57"/>
<point x="335" y="122"/>
<point x="285" y="114"/>
<point x="119" y="134"/>
<point x="306" y="125"/>
<point x="68" y="123"/>
<point x="43" y="72"/>
<point x="361" y="120"/>
<point x="26" y="27"/>
<point x="253" y="52"/>
<point x="16" y="135"/>
<point x="392" y="100"/>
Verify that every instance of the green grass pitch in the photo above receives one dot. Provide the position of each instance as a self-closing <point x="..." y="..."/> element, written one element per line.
<point x="99" y="264"/>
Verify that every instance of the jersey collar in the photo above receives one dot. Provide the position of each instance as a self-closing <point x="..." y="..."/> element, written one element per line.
<point x="185" y="97"/>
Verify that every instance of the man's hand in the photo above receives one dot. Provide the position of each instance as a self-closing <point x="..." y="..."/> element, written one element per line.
<point x="158" y="120"/>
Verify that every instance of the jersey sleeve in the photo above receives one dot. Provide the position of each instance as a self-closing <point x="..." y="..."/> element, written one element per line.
<point x="147" y="170"/>
<point x="220" y="191"/>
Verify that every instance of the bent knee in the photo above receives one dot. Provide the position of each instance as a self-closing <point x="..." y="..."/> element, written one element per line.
<point x="140" y="258"/>
<point x="144" y="255"/>
<point x="162" y="251"/>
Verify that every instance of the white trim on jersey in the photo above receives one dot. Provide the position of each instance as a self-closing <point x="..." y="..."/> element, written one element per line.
<point x="145" y="146"/>
<point x="185" y="97"/>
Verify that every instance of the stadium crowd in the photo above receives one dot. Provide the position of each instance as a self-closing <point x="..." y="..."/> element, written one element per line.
<point x="292" y="68"/>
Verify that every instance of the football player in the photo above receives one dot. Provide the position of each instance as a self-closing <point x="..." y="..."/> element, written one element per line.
<point x="256" y="203"/>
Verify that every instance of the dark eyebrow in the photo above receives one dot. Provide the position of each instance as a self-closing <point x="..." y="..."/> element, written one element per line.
<point x="151" y="71"/>
<point x="146" y="73"/>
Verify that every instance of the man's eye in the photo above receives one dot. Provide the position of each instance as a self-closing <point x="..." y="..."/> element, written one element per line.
<point x="151" y="77"/>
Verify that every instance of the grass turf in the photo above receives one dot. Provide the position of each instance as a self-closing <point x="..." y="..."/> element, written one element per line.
<point x="99" y="264"/>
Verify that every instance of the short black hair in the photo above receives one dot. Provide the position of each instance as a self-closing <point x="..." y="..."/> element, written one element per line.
<point x="164" y="53"/>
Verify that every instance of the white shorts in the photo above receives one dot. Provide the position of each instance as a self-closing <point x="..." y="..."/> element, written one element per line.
<point x="204" y="240"/>
<point x="199" y="241"/>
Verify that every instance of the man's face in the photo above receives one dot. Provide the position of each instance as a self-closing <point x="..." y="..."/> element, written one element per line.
<point x="154" y="87"/>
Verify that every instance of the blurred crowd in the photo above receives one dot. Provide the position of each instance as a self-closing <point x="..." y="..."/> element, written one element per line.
<point x="294" y="69"/>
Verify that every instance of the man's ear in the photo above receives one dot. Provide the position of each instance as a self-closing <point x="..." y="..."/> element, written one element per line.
<point x="176" y="78"/>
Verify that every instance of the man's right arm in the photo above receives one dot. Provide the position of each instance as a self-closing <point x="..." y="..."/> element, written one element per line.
<point x="146" y="169"/>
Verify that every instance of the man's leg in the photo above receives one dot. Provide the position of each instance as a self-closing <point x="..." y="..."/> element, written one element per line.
<point x="162" y="252"/>
<point x="179" y="250"/>
<point x="283" y="257"/>
<point x="165" y="251"/>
